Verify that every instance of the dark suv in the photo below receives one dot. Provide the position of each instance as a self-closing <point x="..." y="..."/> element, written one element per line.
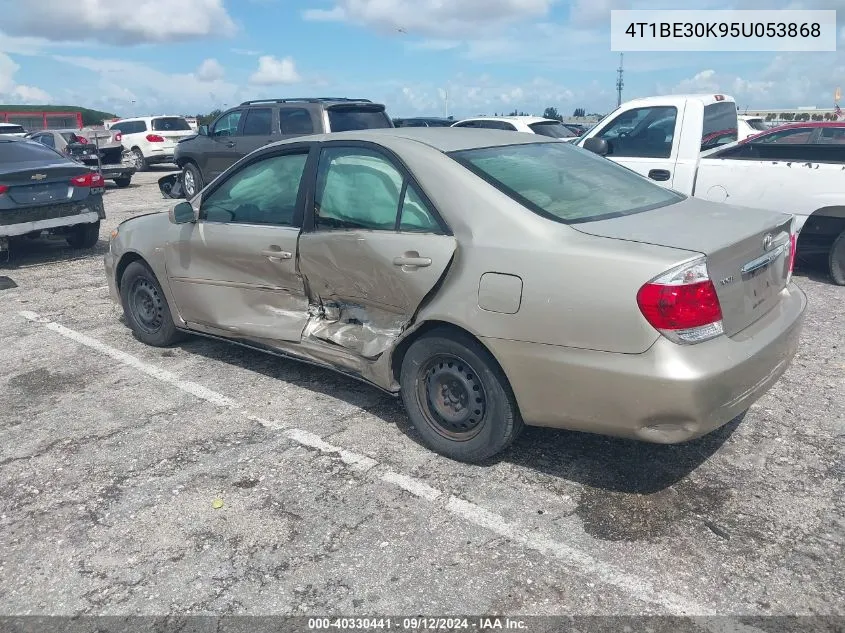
<point x="245" y="128"/>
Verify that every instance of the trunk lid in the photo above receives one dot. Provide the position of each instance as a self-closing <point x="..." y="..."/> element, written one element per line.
<point x="747" y="250"/>
<point x="49" y="184"/>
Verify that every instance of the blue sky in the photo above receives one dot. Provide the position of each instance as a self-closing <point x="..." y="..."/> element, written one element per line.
<point x="190" y="56"/>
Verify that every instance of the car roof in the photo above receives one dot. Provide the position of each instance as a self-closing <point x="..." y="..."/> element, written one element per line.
<point x="800" y="124"/>
<point x="448" y="139"/>
<point x="515" y="119"/>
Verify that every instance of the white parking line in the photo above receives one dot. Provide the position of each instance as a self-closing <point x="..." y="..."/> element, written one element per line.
<point x="580" y="561"/>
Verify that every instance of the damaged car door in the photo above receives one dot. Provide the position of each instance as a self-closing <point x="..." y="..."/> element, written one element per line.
<point x="233" y="271"/>
<point x="372" y="248"/>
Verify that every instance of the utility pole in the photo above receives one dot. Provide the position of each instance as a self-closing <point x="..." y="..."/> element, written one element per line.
<point x="446" y="99"/>
<point x="619" y="83"/>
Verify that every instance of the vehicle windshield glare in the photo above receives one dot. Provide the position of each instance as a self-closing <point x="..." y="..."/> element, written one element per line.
<point x="553" y="129"/>
<point x="344" y="119"/>
<point x="564" y="183"/>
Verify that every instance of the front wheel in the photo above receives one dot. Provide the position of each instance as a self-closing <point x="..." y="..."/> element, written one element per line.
<point x="84" y="235"/>
<point x="146" y="308"/>
<point x="123" y="181"/>
<point x="457" y="397"/>
<point x="191" y="180"/>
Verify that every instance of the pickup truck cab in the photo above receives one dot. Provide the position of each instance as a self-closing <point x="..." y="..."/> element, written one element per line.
<point x="675" y="141"/>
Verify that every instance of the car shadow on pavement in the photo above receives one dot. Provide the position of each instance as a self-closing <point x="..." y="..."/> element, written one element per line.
<point x="605" y="463"/>
<point x="25" y="252"/>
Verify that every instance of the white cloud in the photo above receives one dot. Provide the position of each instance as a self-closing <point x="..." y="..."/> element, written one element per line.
<point x="246" y="51"/>
<point x="210" y="70"/>
<point x="127" y="88"/>
<point x="117" y="22"/>
<point x="13" y="92"/>
<point x="272" y="71"/>
<point x="432" y="17"/>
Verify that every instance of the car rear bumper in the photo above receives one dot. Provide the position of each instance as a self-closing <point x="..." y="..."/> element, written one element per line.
<point x="160" y="155"/>
<point x="669" y="394"/>
<point x="28" y="220"/>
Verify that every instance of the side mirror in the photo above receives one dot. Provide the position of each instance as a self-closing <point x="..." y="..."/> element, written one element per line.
<point x="202" y="130"/>
<point x="597" y="146"/>
<point x="182" y="213"/>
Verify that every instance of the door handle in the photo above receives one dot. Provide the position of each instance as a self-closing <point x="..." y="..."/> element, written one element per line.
<point x="230" y="144"/>
<point x="659" y="174"/>
<point x="413" y="260"/>
<point x="276" y="255"/>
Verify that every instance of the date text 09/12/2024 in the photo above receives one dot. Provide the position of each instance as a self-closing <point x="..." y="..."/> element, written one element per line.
<point x="416" y="624"/>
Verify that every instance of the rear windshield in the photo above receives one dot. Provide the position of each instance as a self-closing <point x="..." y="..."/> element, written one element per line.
<point x="11" y="129"/>
<point x="565" y="183"/>
<point x="26" y="152"/>
<point x="171" y="124"/>
<point x="552" y="128"/>
<point x="344" y="119"/>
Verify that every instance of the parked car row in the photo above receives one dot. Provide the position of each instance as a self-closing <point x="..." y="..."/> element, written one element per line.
<point x="100" y="149"/>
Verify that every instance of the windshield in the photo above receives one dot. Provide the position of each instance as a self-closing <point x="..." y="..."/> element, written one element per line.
<point x="565" y="183"/>
<point x="26" y="152"/>
<point x="757" y="124"/>
<point x="553" y="129"/>
<point x="171" y="124"/>
<point x="11" y="129"/>
<point x="357" y="118"/>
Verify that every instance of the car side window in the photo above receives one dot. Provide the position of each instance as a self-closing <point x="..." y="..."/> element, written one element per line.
<point x="642" y="132"/>
<point x="258" y="122"/>
<point x="227" y="125"/>
<point x="295" y="121"/>
<point x="797" y="136"/>
<point x="264" y="192"/>
<point x="47" y="139"/>
<point x="416" y="216"/>
<point x="356" y="189"/>
<point x="834" y="135"/>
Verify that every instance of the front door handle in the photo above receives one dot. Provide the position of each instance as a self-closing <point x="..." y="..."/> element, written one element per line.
<point x="230" y="144"/>
<point x="660" y="174"/>
<point x="276" y="255"/>
<point x="412" y="259"/>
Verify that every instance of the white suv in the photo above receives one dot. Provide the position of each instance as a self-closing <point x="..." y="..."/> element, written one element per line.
<point x="526" y="124"/>
<point x="152" y="139"/>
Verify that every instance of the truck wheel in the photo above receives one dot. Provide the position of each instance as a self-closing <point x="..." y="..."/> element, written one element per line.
<point x="191" y="180"/>
<point x="123" y="181"/>
<point x="139" y="161"/>
<point x="146" y="308"/>
<point x="837" y="260"/>
<point x="457" y="397"/>
<point x="84" y="235"/>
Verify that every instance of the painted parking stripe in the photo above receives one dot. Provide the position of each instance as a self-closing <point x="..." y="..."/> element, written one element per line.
<point x="634" y="586"/>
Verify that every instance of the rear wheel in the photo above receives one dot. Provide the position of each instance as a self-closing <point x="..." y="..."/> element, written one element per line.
<point x="84" y="235"/>
<point x="191" y="180"/>
<point x="837" y="260"/>
<point x="138" y="160"/>
<point x="457" y="397"/>
<point x="145" y="307"/>
<point x="123" y="181"/>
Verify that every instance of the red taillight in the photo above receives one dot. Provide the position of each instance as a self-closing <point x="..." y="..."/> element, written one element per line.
<point x="3" y="189"/>
<point x="81" y="140"/>
<point x="682" y="304"/>
<point x="118" y="137"/>
<point x="793" y="248"/>
<point x="155" y="138"/>
<point x="91" y="179"/>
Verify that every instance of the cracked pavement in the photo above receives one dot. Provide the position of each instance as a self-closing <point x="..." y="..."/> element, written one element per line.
<point x="109" y="474"/>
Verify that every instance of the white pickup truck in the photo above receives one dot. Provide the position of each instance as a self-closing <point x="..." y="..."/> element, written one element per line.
<point x="672" y="140"/>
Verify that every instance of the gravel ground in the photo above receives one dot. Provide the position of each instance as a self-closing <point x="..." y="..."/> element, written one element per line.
<point x="114" y="453"/>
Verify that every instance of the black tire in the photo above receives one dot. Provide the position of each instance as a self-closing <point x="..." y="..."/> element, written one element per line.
<point x="191" y="174"/>
<point x="84" y="235"/>
<point x="442" y="373"/>
<point x="123" y="181"/>
<point x="836" y="260"/>
<point x="145" y="307"/>
<point x="139" y="161"/>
